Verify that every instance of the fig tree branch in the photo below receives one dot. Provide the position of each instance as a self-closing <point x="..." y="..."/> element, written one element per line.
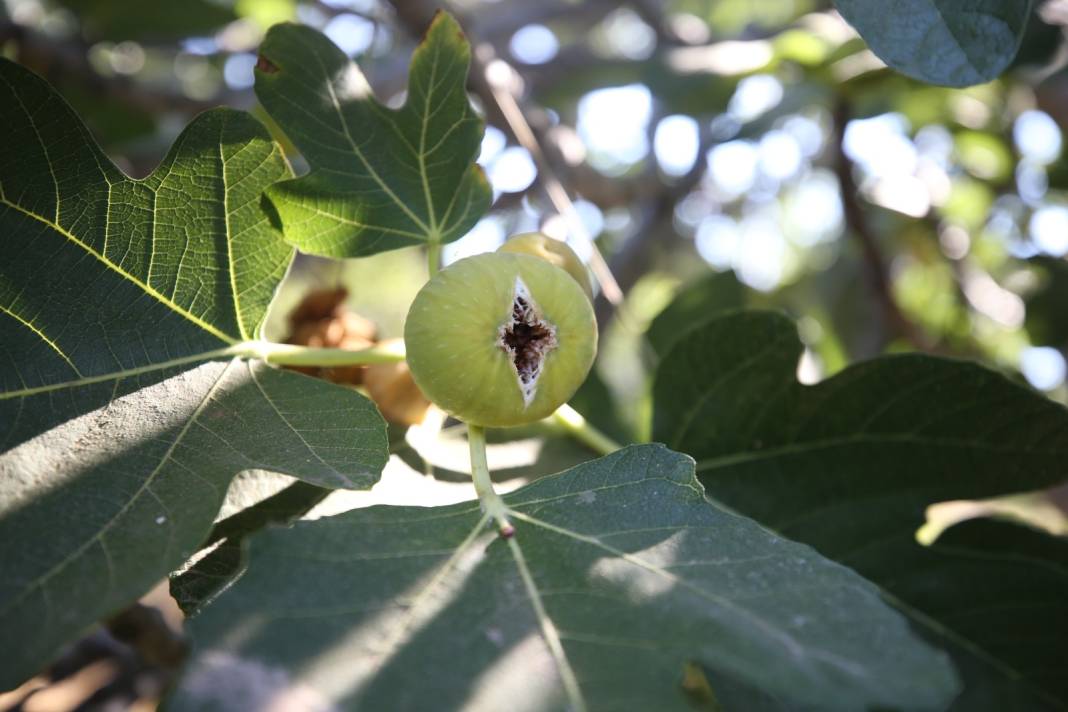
<point x="892" y="321"/>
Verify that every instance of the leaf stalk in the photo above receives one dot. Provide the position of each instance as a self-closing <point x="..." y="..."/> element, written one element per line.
<point x="433" y="257"/>
<point x="492" y="504"/>
<point x="577" y="427"/>
<point x="294" y="355"/>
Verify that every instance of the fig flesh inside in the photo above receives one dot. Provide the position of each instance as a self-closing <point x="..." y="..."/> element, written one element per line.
<point x="527" y="338"/>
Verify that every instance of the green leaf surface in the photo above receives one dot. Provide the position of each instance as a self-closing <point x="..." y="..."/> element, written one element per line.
<point x="620" y="573"/>
<point x="152" y="21"/>
<point x="380" y="178"/>
<point x="190" y="246"/>
<point x="850" y="465"/>
<point x="1010" y="572"/>
<point x="1046" y="325"/>
<point x="192" y="587"/>
<point x="945" y="42"/>
<point x="695" y="303"/>
<point x="119" y="427"/>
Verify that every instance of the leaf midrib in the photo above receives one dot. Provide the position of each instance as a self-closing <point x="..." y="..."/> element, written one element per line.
<point x="791" y="644"/>
<point x="549" y="632"/>
<point x="42" y="580"/>
<point x="237" y="349"/>
<point x="951" y="31"/>
<point x="230" y="263"/>
<point x="804" y="447"/>
<point x="359" y="154"/>
<point x="553" y="637"/>
<point x="965" y="51"/>
<point x="148" y="289"/>
<point x="30" y="325"/>
<point x="425" y="122"/>
<point x="912" y="613"/>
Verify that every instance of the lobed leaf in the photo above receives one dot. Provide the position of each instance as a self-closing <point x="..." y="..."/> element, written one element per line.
<point x="944" y="42"/>
<point x="619" y="577"/>
<point x="380" y="178"/>
<point x="850" y="465"/>
<point x="695" y="303"/>
<point x="120" y="428"/>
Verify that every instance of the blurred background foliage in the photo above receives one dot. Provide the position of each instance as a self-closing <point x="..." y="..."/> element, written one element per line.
<point x="725" y="152"/>
<point x="721" y="154"/>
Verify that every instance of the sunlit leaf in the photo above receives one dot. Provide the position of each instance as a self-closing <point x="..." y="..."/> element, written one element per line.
<point x="619" y="576"/>
<point x="123" y="412"/>
<point x="695" y="303"/>
<point x="380" y="178"/>
<point x="850" y="465"/>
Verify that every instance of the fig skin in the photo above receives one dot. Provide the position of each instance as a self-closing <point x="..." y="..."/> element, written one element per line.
<point x="555" y="252"/>
<point x="453" y="332"/>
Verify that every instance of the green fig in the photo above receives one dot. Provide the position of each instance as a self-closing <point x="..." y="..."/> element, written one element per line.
<point x="500" y="339"/>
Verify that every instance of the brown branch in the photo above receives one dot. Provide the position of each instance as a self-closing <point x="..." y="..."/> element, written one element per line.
<point x="582" y="179"/>
<point x="534" y="131"/>
<point x="655" y="229"/>
<point x="501" y="101"/>
<point x="892" y="321"/>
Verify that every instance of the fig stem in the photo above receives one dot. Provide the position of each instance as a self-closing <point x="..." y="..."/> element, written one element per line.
<point x="492" y="504"/>
<point x="433" y="257"/>
<point x="294" y="355"/>
<point x="580" y="429"/>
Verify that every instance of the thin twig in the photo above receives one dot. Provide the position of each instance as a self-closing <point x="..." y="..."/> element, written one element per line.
<point x="894" y="322"/>
<point x="554" y="188"/>
<point x="572" y="422"/>
<point x="490" y="77"/>
<point x="631" y="261"/>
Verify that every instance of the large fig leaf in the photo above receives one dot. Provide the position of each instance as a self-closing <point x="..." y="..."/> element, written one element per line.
<point x="946" y="42"/>
<point x="119" y="432"/>
<point x="695" y="303"/>
<point x="380" y="178"/>
<point x="850" y="465"/>
<point x="620" y="577"/>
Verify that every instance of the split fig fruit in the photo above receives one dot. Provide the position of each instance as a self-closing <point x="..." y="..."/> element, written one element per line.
<point x="500" y="339"/>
